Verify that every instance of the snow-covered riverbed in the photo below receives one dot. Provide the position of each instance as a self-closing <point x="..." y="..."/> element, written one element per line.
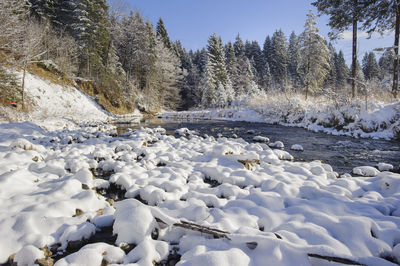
<point x="251" y="205"/>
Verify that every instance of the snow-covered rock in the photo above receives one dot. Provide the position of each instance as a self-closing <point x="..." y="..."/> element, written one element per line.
<point x="133" y="222"/>
<point x="261" y="139"/>
<point x="28" y="255"/>
<point x="277" y="144"/>
<point x="273" y="211"/>
<point x="368" y="171"/>
<point x="385" y="167"/>
<point x="94" y="254"/>
<point x="297" y="147"/>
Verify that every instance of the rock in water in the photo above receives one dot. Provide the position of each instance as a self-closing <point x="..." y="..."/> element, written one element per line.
<point x="297" y="147"/>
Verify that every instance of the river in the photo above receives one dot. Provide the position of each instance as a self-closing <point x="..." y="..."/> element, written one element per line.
<point x="341" y="152"/>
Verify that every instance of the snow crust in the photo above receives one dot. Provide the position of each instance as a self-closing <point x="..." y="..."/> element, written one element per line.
<point x="273" y="211"/>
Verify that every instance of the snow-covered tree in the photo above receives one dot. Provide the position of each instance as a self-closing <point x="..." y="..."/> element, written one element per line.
<point x="330" y="80"/>
<point x="255" y="55"/>
<point x="314" y="56"/>
<point x="278" y="64"/>
<point x="370" y="66"/>
<point x="360" y="78"/>
<point x="344" y="15"/>
<point x="267" y="50"/>
<point x="293" y="59"/>
<point x="217" y="87"/>
<point x="162" y="33"/>
<point x="386" y="62"/>
<point x="342" y="71"/>
<point x="384" y="16"/>
<point x="12" y="16"/>
<point x="167" y="75"/>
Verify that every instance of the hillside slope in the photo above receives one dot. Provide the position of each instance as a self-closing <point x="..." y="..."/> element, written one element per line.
<point x="54" y="104"/>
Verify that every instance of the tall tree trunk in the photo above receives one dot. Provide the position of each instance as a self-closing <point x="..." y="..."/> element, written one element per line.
<point x="23" y="86"/>
<point x="354" y="53"/>
<point x="396" y="52"/>
<point x="306" y="92"/>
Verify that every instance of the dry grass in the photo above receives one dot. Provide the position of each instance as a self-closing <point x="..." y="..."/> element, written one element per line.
<point x="97" y="92"/>
<point x="55" y="78"/>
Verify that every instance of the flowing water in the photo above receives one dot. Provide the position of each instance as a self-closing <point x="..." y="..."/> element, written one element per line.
<point x="343" y="153"/>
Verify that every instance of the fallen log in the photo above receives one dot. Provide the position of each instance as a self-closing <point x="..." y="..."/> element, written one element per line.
<point x="334" y="259"/>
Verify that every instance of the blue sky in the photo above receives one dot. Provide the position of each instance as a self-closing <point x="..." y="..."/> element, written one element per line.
<point x="193" y="21"/>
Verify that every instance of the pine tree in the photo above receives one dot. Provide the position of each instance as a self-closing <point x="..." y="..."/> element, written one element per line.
<point x="238" y="47"/>
<point x="386" y="63"/>
<point x="370" y="66"/>
<point x="257" y="60"/>
<point x="342" y="16"/>
<point x="315" y="58"/>
<point x="278" y="64"/>
<point x="242" y="71"/>
<point x="163" y="34"/>
<point x="330" y="80"/>
<point x="342" y="71"/>
<point x="267" y="50"/>
<point x="384" y="16"/>
<point x="167" y="76"/>
<point x="217" y="89"/>
<point x="360" y="78"/>
<point x="230" y="59"/>
<point x="293" y="59"/>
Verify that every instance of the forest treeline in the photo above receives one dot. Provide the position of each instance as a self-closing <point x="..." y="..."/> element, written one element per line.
<point x="135" y="64"/>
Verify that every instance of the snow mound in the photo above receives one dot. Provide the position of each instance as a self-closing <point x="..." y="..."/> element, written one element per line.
<point x="94" y="254"/>
<point x="214" y="201"/>
<point x="261" y="139"/>
<point x="28" y="255"/>
<point x="297" y="147"/>
<point x="385" y="167"/>
<point x="277" y="144"/>
<point x="368" y="171"/>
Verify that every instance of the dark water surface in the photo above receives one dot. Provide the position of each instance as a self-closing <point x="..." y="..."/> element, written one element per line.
<point x="343" y="153"/>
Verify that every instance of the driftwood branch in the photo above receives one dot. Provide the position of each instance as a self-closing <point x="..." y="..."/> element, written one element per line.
<point x="335" y="259"/>
<point x="216" y="233"/>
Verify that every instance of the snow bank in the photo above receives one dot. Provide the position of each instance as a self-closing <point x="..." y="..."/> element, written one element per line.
<point x="55" y="106"/>
<point x="214" y="201"/>
<point x="352" y="119"/>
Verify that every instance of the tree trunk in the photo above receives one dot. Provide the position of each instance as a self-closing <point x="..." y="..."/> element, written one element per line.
<point x="306" y="92"/>
<point x="23" y="86"/>
<point x="396" y="52"/>
<point x="354" y="53"/>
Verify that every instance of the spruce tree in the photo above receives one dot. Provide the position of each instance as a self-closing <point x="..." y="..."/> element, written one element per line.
<point x="342" y="71"/>
<point x="267" y="50"/>
<point x="386" y="63"/>
<point x="278" y="57"/>
<point x="370" y="66"/>
<point x="330" y="80"/>
<point x="314" y="56"/>
<point x="293" y="59"/>
<point x="238" y="46"/>
<point x="382" y="16"/>
<point x="257" y="60"/>
<point x="217" y="88"/>
<point x="163" y="34"/>
<point x="344" y="15"/>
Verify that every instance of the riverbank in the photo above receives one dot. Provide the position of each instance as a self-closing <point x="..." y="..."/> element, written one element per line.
<point x="380" y="121"/>
<point x="203" y="199"/>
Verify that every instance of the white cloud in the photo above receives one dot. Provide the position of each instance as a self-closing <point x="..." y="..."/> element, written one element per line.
<point x="348" y="35"/>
